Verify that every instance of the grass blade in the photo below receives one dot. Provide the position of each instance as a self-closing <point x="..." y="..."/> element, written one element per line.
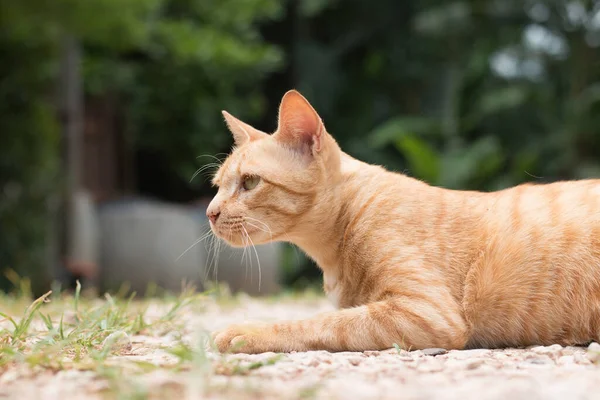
<point x="61" y="331"/>
<point x="9" y="318"/>
<point x="23" y="326"/>
<point x="47" y="320"/>
<point x="76" y="300"/>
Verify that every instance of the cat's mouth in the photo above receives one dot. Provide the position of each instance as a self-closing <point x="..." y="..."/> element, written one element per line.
<point x="235" y="233"/>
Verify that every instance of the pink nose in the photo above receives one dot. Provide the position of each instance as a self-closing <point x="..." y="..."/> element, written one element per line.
<point x="212" y="215"/>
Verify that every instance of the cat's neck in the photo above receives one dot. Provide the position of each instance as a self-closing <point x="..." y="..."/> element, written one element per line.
<point x="321" y="237"/>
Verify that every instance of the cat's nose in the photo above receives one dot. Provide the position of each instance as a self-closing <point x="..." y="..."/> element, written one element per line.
<point x="213" y="215"/>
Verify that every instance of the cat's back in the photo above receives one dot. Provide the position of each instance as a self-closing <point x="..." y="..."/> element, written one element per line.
<point x="550" y="205"/>
<point x="537" y="279"/>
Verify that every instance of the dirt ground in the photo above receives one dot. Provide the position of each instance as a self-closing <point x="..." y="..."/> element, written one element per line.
<point x="552" y="372"/>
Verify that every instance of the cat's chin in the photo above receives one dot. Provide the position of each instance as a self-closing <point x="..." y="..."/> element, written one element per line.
<point x="240" y="244"/>
<point x="238" y="240"/>
<point x="237" y="245"/>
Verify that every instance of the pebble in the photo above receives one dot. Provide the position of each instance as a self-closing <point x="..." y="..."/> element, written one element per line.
<point x="434" y="351"/>
<point x="593" y="352"/>
<point x="313" y="363"/>
<point x="355" y="361"/>
<point x="474" y="364"/>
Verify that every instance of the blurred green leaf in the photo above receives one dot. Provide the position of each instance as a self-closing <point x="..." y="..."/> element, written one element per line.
<point x="309" y="8"/>
<point x="588" y="170"/>
<point x="496" y="101"/>
<point x="481" y="159"/>
<point x="423" y="161"/>
<point x="396" y="128"/>
<point x="444" y="19"/>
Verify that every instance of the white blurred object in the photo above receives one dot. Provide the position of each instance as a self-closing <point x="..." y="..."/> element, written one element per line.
<point x="144" y="242"/>
<point x="141" y="242"/>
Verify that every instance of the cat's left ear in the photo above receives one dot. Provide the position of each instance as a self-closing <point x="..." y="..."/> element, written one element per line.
<point x="242" y="132"/>
<point x="299" y="124"/>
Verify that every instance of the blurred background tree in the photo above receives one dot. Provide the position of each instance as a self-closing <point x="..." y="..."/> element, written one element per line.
<point x="170" y="64"/>
<point x="474" y="94"/>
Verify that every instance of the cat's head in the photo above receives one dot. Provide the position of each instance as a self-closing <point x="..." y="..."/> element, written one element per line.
<point x="270" y="184"/>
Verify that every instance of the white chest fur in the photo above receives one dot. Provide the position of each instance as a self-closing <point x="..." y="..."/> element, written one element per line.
<point x="332" y="289"/>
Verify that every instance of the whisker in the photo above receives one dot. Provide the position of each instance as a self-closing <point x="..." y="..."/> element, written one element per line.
<point x="257" y="259"/>
<point x="220" y="161"/>
<point x="213" y="257"/>
<point x="245" y="242"/>
<point x="245" y="253"/>
<point x="203" y="168"/>
<point x="209" y="248"/>
<point x="245" y="264"/>
<point x="270" y="232"/>
<point x="203" y="237"/>
<point x="257" y="220"/>
<point x="217" y="256"/>
<point x="262" y="230"/>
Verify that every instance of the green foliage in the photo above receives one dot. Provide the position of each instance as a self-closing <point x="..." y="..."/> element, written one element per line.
<point x="172" y="64"/>
<point x="116" y="23"/>
<point x="466" y="165"/>
<point x="28" y="153"/>
<point x="457" y="93"/>
<point x="470" y="94"/>
<point x="200" y="58"/>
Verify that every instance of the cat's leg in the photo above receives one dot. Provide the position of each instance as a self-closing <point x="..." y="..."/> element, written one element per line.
<point x="409" y="323"/>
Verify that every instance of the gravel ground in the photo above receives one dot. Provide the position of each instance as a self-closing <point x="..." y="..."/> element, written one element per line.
<point x="552" y="372"/>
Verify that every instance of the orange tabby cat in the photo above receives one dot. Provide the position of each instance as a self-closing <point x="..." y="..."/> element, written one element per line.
<point x="406" y="262"/>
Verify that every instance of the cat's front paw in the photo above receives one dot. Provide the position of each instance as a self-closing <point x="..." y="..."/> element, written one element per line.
<point x="251" y="339"/>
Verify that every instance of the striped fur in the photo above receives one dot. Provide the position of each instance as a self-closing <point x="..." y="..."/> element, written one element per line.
<point x="406" y="262"/>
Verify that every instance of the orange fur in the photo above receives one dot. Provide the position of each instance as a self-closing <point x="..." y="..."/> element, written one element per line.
<point x="406" y="262"/>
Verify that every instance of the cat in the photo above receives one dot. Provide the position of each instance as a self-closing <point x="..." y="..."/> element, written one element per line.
<point x="407" y="263"/>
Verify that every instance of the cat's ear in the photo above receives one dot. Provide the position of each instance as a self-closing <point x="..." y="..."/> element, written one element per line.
<point x="242" y="132"/>
<point x="299" y="124"/>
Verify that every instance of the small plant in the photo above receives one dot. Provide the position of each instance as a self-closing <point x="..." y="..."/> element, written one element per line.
<point x="21" y="328"/>
<point x="82" y="333"/>
<point x="101" y="335"/>
<point x="402" y="347"/>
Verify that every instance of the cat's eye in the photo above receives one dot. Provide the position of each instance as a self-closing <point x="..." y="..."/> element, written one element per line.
<point x="249" y="182"/>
